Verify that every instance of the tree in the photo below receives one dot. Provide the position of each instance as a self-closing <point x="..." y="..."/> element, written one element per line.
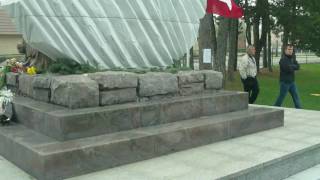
<point x="307" y="32"/>
<point x="233" y="47"/>
<point x="205" y="39"/>
<point x="248" y="15"/>
<point x="261" y="14"/>
<point x="269" y="51"/>
<point x="220" y="62"/>
<point x="191" y="60"/>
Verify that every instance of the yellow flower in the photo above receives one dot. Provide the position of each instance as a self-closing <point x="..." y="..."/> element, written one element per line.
<point x="31" y="70"/>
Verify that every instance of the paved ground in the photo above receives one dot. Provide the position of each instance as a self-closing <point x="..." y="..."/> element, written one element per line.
<point x="216" y="160"/>
<point x="310" y="174"/>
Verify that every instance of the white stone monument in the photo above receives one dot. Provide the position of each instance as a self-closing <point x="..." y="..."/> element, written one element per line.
<point x="109" y="33"/>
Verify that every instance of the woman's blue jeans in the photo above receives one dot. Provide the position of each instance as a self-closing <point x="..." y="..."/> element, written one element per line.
<point x="292" y="89"/>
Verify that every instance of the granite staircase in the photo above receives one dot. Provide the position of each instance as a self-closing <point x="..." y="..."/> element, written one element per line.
<point x="54" y="142"/>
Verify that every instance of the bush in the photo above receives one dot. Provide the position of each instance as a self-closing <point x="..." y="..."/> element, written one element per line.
<point x="69" y="66"/>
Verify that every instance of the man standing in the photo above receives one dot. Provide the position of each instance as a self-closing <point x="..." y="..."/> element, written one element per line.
<point x="288" y="66"/>
<point x="248" y="73"/>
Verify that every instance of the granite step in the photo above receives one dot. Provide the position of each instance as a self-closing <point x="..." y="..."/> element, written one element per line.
<point x="46" y="158"/>
<point x="67" y="124"/>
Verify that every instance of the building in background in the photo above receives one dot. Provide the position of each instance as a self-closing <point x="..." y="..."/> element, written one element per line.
<point x="9" y="37"/>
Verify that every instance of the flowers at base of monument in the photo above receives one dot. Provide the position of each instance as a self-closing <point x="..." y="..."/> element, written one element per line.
<point x="18" y="67"/>
<point x="14" y="66"/>
<point x="6" y="98"/>
<point x="31" y="70"/>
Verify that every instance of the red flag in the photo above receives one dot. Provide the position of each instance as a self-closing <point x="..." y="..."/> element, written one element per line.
<point x="225" y="8"/>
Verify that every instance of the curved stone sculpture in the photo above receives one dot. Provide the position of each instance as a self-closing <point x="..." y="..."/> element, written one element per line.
<point x="109" y="33"/>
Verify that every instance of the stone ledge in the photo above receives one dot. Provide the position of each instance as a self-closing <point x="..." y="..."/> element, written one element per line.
<point x="12" y="79"/>
<point x="78" y="91"/>
<point x="152" y="84"/>
<point x="65" y="124"/>
<point x="111" y="80"/>
<point x="213" y="79"/>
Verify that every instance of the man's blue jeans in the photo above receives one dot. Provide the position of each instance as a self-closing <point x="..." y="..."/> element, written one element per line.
<point x="284" y="89"/>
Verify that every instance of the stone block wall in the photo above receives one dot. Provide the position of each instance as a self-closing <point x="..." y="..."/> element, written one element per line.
<point x="12" y="80"/>
<point x="157" y="85"/>
<point x="190" y="82"/>
<point x="75" y="91"/>
<point x="25" y="84"/>
<point x="116" y="87"/>
<point x="42" y="88"/>
<point x="110" y="88"/>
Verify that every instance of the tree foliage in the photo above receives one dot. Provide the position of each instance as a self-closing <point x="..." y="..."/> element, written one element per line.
<point x="299" y="20"/>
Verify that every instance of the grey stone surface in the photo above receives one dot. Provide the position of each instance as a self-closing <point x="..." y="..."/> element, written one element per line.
<point x="42" y="88"/>
<point x="76" y="91"/>
<point x="257" y="123"/>
<point x="25" y="84"/>
<point x="311" y="174"/>
<point x="152" y="84"/>
<point x="12" y="79"/>
<point x="115" y="80"/>
<point x="42" y="81"/>
<point x="192" y="88"/>
<point x="41" y="94"/>
<point x="17" y="143"/>
<point x="224" y="103"/>
<point x="188" y="77"/>
<point x="45" y="158"/>
<point x="65" y="124"/>
<point x="289" y="149"/>
<point x="162" y="97"/>
<point x="213" y="79"/>
<point x="118" y="96"/>
<point x="34" y="115"/>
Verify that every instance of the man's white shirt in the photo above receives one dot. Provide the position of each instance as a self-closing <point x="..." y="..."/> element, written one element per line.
<point x="247" y="67"/>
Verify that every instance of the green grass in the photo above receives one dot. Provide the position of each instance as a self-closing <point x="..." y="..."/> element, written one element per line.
<point x="307" y="80"/>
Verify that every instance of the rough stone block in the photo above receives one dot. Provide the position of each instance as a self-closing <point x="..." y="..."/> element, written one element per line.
<point x="12" y="79"/>
<point x="76" y="91"/>
<point x="193" y="88"/>
<point x="43" y="82"/>
<point x="41" y="94"/>
<point x="25" y="84"/>
<point x="115" y="80"/>
<point x="152" y="84"/>
<point x="161" y="97"/>
<point x="213" y="79"/>
<point x="118" y="96"/>
<point x="187" y="77"/>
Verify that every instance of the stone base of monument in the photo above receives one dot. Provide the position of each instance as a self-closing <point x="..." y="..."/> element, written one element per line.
<point x="47" y="158"/>
<point x="173" y="113"/>
<point x="66" y="124"/>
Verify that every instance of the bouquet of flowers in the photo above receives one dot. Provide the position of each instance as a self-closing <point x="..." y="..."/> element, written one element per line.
<point x="6" y="97"/>
<point x="17" y="67"/>
<point x="14" y="66"/>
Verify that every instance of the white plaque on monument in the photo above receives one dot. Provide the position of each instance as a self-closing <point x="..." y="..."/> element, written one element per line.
<point x="207" y="56"/>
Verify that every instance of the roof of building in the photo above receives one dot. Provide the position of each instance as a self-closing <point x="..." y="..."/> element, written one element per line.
<point x="6" y="25"/>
